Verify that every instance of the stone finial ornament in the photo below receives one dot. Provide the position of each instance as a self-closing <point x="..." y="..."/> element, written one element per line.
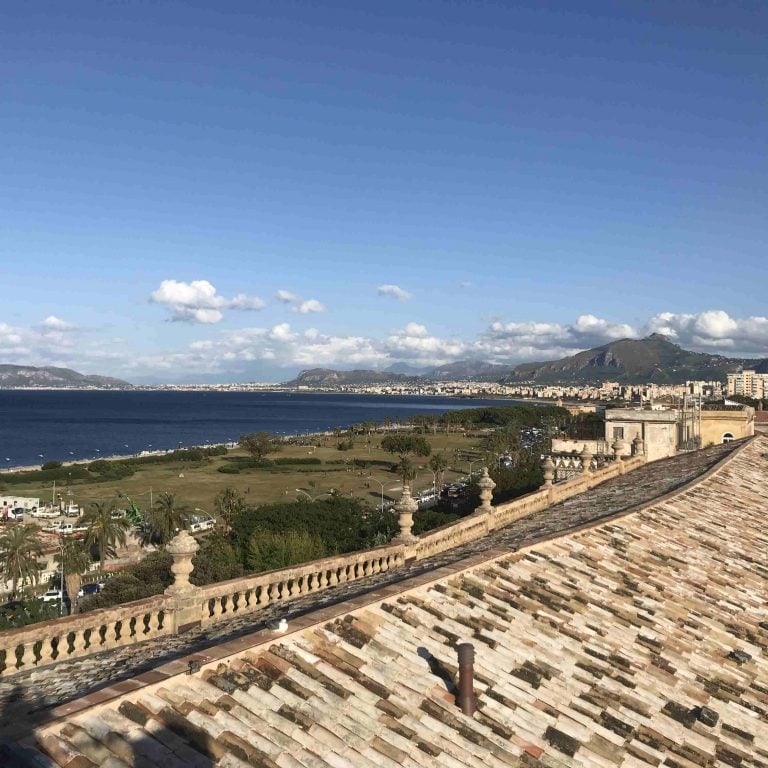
<point x="406" y="508"/>
<point x="586" y="459"/>
<point x="486" y="486"/>
<point x="182" y="548"/>
<point x="638" y="446"/>
<point x="618" y="448"/>
<point x="549" y="470"/>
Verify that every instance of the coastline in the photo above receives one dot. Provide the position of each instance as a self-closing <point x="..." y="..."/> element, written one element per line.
<point x="85" y="457"/>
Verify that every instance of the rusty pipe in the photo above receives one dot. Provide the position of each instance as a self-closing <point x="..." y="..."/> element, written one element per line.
<point x="467" y="702"/>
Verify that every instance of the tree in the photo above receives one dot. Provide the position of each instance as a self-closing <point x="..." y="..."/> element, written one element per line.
<point x="20" y="550"/>
<point x="216" y="560"/>
<point x="228" y="505"/>
<point x="74" y="560"/>
<point x="406" y="470"/>
<point x="103" y="530"/>
<point x="259" y="444"/>
<point x="406" y="446"/>
<point x="268" y="550"/>
<point x="164" y="520"/>
<point x="438" y="463"/>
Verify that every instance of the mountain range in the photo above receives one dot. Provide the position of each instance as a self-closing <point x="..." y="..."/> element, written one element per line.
<point x="654" y="359"/>
<point x="15" y="376"/>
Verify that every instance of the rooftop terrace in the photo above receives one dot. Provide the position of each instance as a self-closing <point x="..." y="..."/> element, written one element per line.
<point x="610" y="645"/>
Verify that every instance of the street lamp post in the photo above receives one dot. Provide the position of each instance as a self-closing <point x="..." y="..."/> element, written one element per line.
<point x="61" y="568"/>
<point x="371" y="477"/>
<point x="474" y="461"/>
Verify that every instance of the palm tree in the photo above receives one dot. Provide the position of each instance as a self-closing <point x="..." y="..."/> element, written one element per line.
<point x="228" y="504"/>
<point x="164" y="520"/>
<point x="103" y="530"/>
<point x="406" y="470"/>
<point x="74" y="559"/>
<point x="19" y="553"/>
<point x="438" y="463"/>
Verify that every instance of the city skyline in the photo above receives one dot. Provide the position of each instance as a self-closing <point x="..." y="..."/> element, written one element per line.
<point x="241" y="193"/>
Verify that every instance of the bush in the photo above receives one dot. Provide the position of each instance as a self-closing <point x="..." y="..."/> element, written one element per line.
<point x="345" y="445"/>
<point x="216" y="560"/>
<point x="72" y="472"/>
<point x="110" y="470"/>
<point x="149" y="577"/>
<point x="228" y="469"/>
<point x="286" y="460"/>
<point x="52" y="465"/>
<point x="342" y="523"/>
<point x="268" y="550"/>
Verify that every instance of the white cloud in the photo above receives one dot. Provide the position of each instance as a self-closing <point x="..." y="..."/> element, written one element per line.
<point x="300" y="306"/>
<point x="286" y="296"/>
<point x="57" y="341"/>
<point x="712" y="330"/>
<point x="53" y="323"/>
<point x="198" y="301"/>
<point x="394" y="291"/>
<point x="309" y="306"/>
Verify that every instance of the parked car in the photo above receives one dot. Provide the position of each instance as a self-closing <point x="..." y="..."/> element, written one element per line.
<point x="47" y="512"/>
<point x="16" y="514"/>
<point x="66" y="528"/>
<point x="73" y="510"/>
<point x="202" y="524"/>
<point x="89" y="589"/>
<point x="51" y="596"/>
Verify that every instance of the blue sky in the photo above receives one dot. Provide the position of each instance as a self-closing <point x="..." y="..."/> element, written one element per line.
<point x="421" y="181"/>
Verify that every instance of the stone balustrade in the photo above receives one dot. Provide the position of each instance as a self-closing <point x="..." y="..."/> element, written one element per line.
<point x="184" y="605"/>
<point x="71" y="637"/>
<point x="218" y="602"/>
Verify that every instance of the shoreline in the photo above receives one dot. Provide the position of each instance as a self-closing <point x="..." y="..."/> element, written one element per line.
<point x="11" y="469"/>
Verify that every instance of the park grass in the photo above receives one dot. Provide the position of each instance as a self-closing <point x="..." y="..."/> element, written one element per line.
<point x="197" y="484"/>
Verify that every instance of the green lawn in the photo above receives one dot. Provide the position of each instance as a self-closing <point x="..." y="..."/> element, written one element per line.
<point x="196" y="485"/>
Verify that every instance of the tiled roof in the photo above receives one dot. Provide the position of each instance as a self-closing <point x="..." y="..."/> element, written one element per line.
<point x="641" y="642"/>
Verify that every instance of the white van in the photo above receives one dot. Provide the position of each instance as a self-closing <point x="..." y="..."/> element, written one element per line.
<point x="47" y="512"/>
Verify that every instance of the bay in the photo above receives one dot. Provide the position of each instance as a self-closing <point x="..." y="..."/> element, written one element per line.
<point x="65" y="425"/>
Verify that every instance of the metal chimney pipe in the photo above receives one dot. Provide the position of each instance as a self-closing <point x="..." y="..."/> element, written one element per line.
<point x="467" y="702"/>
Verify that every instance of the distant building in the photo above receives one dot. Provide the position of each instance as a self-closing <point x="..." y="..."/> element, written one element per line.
<point x="748" y="384"/>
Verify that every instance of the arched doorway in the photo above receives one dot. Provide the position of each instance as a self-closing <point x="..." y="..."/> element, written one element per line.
<point x="727" y="437"/>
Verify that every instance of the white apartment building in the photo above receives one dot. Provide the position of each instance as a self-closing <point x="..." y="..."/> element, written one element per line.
<point x="748" y="384"/>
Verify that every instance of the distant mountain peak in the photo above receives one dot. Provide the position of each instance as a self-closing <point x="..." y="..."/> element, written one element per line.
<point x="634" y="361"/>
<point x="23" y="376"/>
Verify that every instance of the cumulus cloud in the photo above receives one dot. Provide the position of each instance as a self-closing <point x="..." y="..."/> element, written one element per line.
<point x="53" y="323"/>
<point x="198" y="301"/>
<point x="394" y="292"/>
<point x="286" y="296"/>
<point x="309" y="306"/>
<point x="57" y="341"/>
<point x="298" y="305"/>
<point x="713" y="330"/>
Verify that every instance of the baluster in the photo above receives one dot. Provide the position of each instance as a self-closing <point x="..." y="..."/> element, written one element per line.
<point x="333" y="577"/>
<point x="22" y="657"/>
<point x="272" y="593"/>
<point x="47" y="652"/>
<point x="342" y="574"/>
<point x="77" y="645"/>
<point x="323" y="579"/>
<point x="377" y="565"/>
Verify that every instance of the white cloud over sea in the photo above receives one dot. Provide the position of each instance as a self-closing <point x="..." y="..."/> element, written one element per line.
<point x="282" y="346"/>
